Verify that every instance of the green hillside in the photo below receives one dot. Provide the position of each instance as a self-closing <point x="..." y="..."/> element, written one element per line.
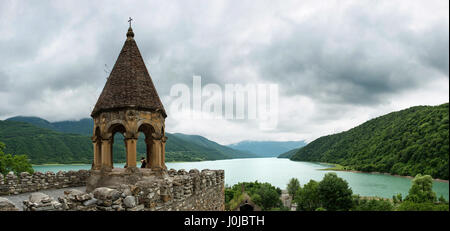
<point x="69" y="142"/>
<point x="288" y="154"/>
<point x="208" y="144"/>
<point x="407" y="142"/>
<point x="44" y="145"/>
<point x="81" y="127"/>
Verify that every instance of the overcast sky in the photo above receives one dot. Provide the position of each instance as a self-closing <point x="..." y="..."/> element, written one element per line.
<point x="337" y="63"/>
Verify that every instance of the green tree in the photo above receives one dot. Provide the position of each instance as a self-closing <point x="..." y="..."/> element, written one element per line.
<point x="269" y="197"/>
<point x="265" y="195"/>
<point x="442" y="199"/>
<point x="307" y="198"/>
<point x="293" y="187"/>
<point x="229" y="193"/>
<point x="397" y="198"/>
<point x="15" y="163"/>
<point x="334" y="193"/>
<point x="375" y="204"/>
<point x="421" y="190"/>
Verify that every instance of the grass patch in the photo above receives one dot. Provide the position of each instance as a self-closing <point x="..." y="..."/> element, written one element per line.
<point x="336" y="167"/>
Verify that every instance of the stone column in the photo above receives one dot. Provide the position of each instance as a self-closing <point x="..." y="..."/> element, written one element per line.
<point x="111" y="161"/>
<point x="106" y="154"/>
<point x="148" y="143"/>
<point x="163" y="152"/>
<point x="97" y="154"/>
<point x="155" y="162"/>
<point x="131" y="151"/>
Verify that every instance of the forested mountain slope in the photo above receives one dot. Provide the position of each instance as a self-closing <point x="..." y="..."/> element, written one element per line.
<point x="407" y="142"/>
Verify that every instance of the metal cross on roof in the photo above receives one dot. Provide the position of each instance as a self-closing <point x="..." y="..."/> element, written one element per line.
<point x="129" y="20"/>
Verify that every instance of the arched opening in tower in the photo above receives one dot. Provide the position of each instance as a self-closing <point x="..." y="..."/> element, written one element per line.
<point x="246" y="207"/>
<point x="118" y="146"/>
<point x="145" y="144"/>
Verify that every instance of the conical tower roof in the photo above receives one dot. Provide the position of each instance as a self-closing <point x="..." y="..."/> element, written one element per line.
<point x="129" y="84"/>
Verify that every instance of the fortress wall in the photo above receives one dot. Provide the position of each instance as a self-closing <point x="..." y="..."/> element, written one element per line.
<point x="26" y="182"/>
<point x="196" y="190"/>
<point x="180" y="191"/>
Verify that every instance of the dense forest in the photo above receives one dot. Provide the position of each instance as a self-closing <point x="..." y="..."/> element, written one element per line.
<point x="69" y="142"/>
<point x="408" y="142"/>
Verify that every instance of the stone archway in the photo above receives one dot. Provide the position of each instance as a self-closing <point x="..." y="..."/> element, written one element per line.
<point x="148" y="130"/>
<point x="246" y="207"/>
<point x="112" y="131"/>
<point x="155" y="145"/>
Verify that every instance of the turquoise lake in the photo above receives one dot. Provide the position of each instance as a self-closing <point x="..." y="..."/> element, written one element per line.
<point x="278" y="172"/>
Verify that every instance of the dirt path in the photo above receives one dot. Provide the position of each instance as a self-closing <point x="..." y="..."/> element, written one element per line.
<point x="55" y="193"/>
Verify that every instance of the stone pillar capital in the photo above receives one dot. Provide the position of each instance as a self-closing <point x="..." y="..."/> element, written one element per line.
<point x="164" y="139"/>
<point x="130" y="138"/>
<point x="129" y="135"/>
<point x="156" y="137"/>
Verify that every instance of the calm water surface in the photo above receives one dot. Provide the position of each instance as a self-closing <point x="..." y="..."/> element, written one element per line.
<point x="279" y="171"/>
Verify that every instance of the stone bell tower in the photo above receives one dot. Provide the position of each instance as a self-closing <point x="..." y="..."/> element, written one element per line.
<point x="129" y="104"/>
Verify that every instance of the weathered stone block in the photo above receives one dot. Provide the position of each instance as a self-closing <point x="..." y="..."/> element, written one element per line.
<point x="129" y="202"/>
<point x="7" y="205"/>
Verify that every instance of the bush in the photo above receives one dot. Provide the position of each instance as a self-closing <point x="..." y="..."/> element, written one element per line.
<point x="426" y="206"/>
<point x="375" y="204"/>
<point x="15" y="163"/>
<point x="397" y="198"/>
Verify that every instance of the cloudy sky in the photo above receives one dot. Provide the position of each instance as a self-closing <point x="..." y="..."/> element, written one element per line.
<point x="336" y="63"/>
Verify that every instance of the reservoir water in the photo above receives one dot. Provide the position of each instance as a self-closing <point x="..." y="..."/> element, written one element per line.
<point x="278" y="172"/>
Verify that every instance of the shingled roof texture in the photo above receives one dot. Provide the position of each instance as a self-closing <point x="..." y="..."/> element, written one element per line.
<point x="129" y="84"/>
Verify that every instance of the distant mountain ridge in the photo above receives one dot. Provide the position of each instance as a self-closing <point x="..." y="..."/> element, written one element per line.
<point x="288" y="154"/>
<point x="82" y="127"/>
<point x="69" y="142"/>
<point x="406" y="142"/>
<point x="267" y="148"/>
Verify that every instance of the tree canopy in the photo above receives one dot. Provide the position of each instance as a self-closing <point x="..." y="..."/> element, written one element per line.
<point x="334" y="194"/>
<point x="264" y="195"/>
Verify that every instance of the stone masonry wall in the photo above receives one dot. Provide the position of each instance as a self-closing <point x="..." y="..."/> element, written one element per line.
<point x="26" y="182"/>
<point x="194" y="190"/>
<point x="181" y="191"/>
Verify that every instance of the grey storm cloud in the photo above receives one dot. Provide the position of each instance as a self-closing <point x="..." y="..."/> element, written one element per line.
<point x="353" y="57"/>
<point x="338" y="54"/>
